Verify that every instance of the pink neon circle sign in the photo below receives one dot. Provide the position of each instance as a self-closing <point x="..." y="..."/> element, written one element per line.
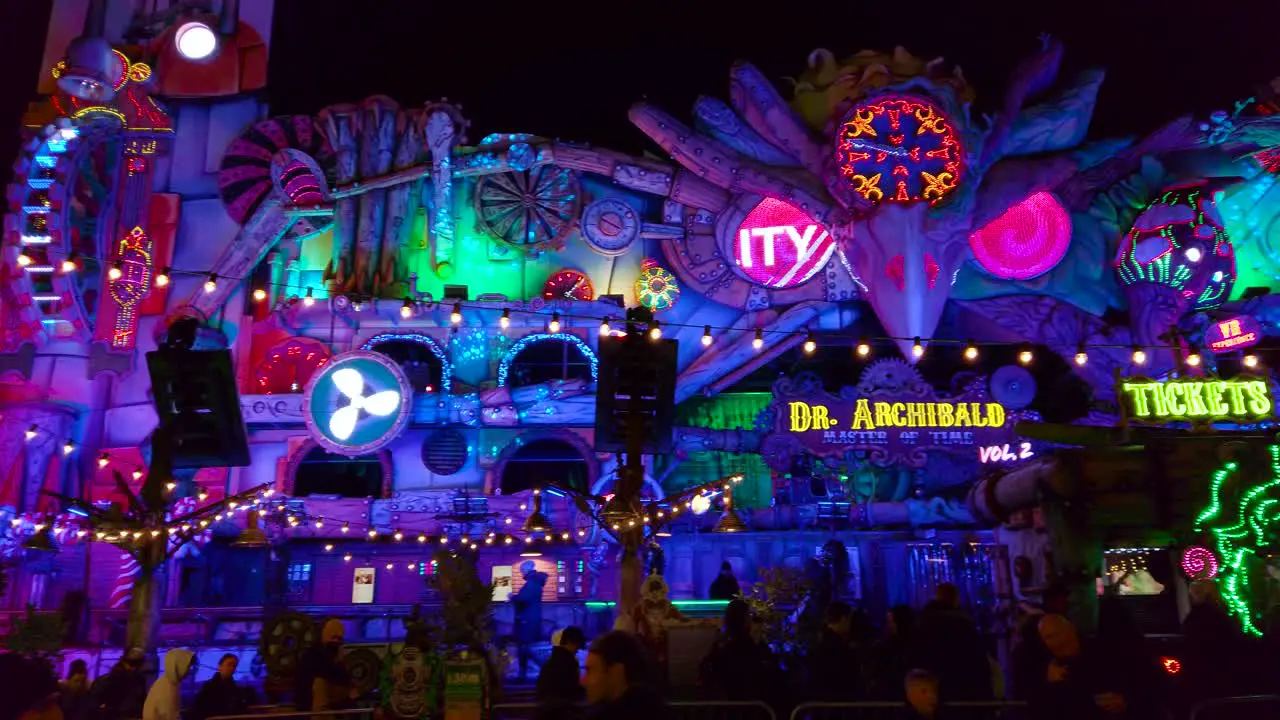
<point x="779" y="246"/>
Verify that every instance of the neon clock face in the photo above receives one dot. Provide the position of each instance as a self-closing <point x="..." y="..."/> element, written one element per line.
<point x="358" y="404"/>
<point x="898" y="149"/>
<point x="779" y="246"/>
<point x="568" y="285"/>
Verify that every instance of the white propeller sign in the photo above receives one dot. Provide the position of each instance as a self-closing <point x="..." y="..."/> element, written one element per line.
<point x="350" y="383"/>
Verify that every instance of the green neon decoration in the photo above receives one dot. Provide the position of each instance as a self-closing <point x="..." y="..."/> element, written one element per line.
<point x="1239" y="531"/>
<point x="686" y="604"/>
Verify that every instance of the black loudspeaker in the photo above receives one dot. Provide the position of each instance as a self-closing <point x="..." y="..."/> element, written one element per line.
<point x="196" y="396"/>
<point x="637" y="383"/>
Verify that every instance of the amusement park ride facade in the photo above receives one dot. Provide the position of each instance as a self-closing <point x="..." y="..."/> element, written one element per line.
<point x="430" y="314"/>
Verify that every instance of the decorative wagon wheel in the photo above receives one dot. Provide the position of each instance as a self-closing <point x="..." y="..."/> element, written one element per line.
<point x="364" y="667"/>
<point x="284" y="639"/>
<point x="531" y="210"/>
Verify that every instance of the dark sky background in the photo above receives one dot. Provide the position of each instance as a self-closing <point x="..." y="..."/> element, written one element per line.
<point x="569" y="69"/>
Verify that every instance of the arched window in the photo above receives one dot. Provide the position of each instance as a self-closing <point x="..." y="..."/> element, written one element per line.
<point x="321" y="472"/>
<point x="540" y="358"/>
<point x="421" y="359"/>
<point x="289" y="365"/>
<point x="542" y="462"/>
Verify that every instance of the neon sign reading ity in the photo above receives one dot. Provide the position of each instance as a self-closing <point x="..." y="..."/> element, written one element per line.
<point x="780" y="246"/>
<point x="1240" y="399"/>
<point x="1234" y="334"/>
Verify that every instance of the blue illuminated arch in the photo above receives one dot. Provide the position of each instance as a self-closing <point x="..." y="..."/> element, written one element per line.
<point x="504" y="368"/>
<point x="446" y="367"/>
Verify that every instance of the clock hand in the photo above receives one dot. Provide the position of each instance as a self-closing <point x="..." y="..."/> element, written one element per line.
<point x="886" y="149"/>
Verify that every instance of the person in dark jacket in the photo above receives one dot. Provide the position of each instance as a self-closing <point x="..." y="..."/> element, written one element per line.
<point x="725" y="586"/>
<point x="120" y="693"/>
<point x="528" y="615"/>
<point x="30" y="689"/>
<point x="620" y="681"/>
<point x="322" y="681"/>
<point x="890" y="656"/>
<point x="835" y="667"/>
<point x="739" y="668"/>
<point x="947" y="643"/>
<point x="560" y="680"/>
<point x="1078" y="683"/>
<point x="220" y="695"/>
<point x="74" y="693"/>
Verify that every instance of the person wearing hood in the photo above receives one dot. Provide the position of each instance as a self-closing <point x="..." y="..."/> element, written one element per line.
<point x="322" y="680"/>
<point x="528" y="614"/>
<point x="164" y="702"/>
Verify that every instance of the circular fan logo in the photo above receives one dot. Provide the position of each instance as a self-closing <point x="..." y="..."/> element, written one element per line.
<point x="357" y="404"/>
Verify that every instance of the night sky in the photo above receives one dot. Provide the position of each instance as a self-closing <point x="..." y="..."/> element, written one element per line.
<point x="569" y="69"/>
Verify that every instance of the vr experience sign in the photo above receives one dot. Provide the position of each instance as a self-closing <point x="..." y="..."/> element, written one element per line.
<point x="1198" y="400"/>
<point x="893" y="426"/>
<point x="1237" y="333"/>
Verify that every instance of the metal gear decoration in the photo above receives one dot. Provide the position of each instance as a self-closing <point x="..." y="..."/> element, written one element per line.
<point x="888" y="374"/>
<point x="364" y="668"/>
<point x="530" y="211"/>
<point x="656" y="288"/>
<point x="284" y="640"/>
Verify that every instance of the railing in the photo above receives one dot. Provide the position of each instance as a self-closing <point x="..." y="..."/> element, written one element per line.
<point x="1244" y="707"/>
<point x="679" y="711"/>
<point x="873" y="710"/>
<point x="353" y="714"/>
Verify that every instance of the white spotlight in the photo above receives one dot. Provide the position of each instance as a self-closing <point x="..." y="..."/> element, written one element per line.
<point x="196" y="41"/>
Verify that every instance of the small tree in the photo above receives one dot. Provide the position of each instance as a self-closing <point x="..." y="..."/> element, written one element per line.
<point x="36" y="635"/>
<point x="465" y="621"/>
<point x="775" y="599"/>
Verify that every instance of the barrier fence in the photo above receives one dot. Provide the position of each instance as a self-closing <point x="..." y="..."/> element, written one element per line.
<point x="679" y="711"/>
<point x="872" y="710"/>
<point x="1246" y="707"/>
<point x="358" y="714"/>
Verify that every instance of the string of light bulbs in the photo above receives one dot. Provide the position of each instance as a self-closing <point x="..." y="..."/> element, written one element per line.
<point x="863" y="346"/>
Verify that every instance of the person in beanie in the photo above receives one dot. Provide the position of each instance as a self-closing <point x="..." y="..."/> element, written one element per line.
<point x="120" y="693"/>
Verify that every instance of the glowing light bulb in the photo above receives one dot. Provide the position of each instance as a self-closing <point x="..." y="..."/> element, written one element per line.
<point x="553" y="327"/>
<point x="328" y="547"/>
<point x="346" y="527"/>
<point x="1193" y="254"/>
<point x="309" y="299"/>
<point x="706" y="336"/>
<point x="259" y="294"/>
<point x="116" y="272"/>
<point x="162" y="278"/>
<point x="69" y="266"/>
<point x="758" y="342"/>
<point x="810" y="344"/>
<point x="31" y="432"/>
<point x="917" y="350"/>
<point x="196" y="41"/>
<point x="604" y="327"/>
<point x="504" y="322"/>
<point x="971" y="352"/>
<point x="211" y="284"/>
<point x="1139" y="356"/>
<point x="24" y="260"/>
<point x="655" y="331"/>
<point x="864" y="348"/>
<point x="406" y="310"/>
<point x="1193" y="359"/>
<point x="1024" y="356"/>
<point x="103" y="460"/>
<point x="1082" y="357"/>
<point x="455" y="317"/>
<point x="68" y="448"/>
<point x="346" y="557"/>
<point x="1251" y="360"/>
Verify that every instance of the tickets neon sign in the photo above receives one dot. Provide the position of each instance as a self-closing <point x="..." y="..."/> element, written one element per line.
<point x="1234" y="334"/>
<point x="1240" y="400"/>
<point x="779" y="246"/>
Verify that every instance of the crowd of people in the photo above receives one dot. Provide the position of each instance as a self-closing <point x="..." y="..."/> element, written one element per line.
<point x="32" y="692"/>
<point x="923" y="661"/>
